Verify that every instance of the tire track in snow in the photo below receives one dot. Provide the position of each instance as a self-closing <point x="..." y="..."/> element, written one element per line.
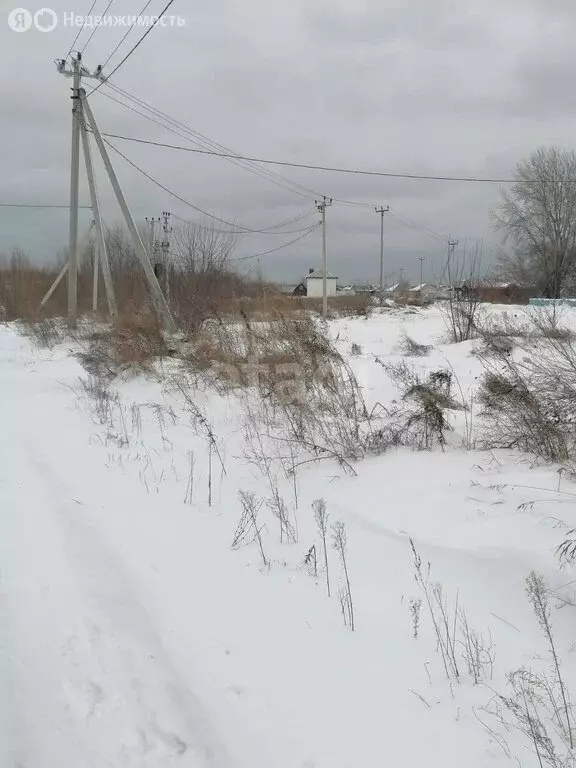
<point x="137" y="684"/>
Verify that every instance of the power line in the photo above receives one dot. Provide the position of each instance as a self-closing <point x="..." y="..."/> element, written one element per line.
<point x="178" y="197"/>
<point x="81" y="28"/>
<point x="265" y="231"/>
<point x="96" y="27"/>
<point x="358" y="204"/>
<point x="409" y="222"/>
<point x="125" y="34"/>
<point x="261" y="172"/>
<point x="417" y="226"/>
<point x="199" y="139"/>
<point x="330" y="169"/>
<point x="280" y="247"/>
<point x="40" y="205"/>
<point x="133" y="49"/>
<point x="204" y="140"/>
<point x="228" y="154"/>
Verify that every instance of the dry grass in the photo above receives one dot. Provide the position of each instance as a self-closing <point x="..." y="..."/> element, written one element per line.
<point x="131" y="345"/>
<point x="272" y="303"/>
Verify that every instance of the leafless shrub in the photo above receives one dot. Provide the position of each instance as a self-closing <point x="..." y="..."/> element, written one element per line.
<point x="340" y="544"/>
<point x="344" y="602"/>
<point x="45" y="333"/>
<point x="530" y="403"/>
<point x="136" y="419"/>
<point x="529" y="705"/>
<point x="538" y="705"/>
<point x="100" y="394"/>
<point x="566" y="551"/>
<point x="311" y="560"/>
<point x="190" y="484"/>
<point x="478" y="653"/>
<point x="420" y="418"/>
<point x="288" y="527"/>
<point x="321" y="517"/>
<point x="534" y="709"/>
<point x="412" y="348"/>
<point x="316" y="403"/>
<point x="454" y="636"/>
<point x="461" y="311"/>
<point x="501" y="334"/>
<point x="249" y="529"/>
<point x="355" y="349"/>
<point x="98" y="360"/>
<point x="201" y="423"/>
<point x="415" y="606"/>
<point x="538" y="596"/>
<point x="130" y="346"/>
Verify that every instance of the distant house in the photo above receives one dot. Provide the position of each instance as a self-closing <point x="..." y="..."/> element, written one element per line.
<point x="299" y="290"/>
<point x="422" y="293"/>
<point x="499" y="293"/>
<point x="315" y="282"/>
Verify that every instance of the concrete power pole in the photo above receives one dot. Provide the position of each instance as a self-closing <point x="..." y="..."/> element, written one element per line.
<point x="381" y="210"/>
<point x="451" y="248"/>
<point x="76" y="71"/>
<point x="152" y="244"/>
<point x="100" y="251"/>
<point x="165" y="245"/>
<point x="82" y="114"/>
<point x="422" y="259"/>
<point x="158" y="299"/>
<point x="321" y="205"/>
<point x="74" y="181"/>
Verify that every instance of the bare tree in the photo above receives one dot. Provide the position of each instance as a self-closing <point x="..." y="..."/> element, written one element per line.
<point x="201" y="276"/>
<point x="201" y="248"/>
<point x="538" y="217"/>
<point x="463" y="305"/>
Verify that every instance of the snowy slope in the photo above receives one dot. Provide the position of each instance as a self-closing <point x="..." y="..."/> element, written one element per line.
<point x="132" y="635"/>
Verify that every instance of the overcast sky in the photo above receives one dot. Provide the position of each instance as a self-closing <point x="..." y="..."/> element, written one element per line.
<point x="450" y="87"/>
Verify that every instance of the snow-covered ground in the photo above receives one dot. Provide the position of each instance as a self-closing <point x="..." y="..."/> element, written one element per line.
<point x="131" y="634"/>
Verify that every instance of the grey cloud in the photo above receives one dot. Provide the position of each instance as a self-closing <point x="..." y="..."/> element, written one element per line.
<point x="456" y="87"/>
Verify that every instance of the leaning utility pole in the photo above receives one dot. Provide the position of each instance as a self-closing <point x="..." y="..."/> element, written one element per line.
<point x="158" y="299"/>
<point x="381" y="210"/>
<point x="100" y="251"/>
<point x="321" y="205"/>
<point x="62" y="273"/>
<point x="81" y="113"/>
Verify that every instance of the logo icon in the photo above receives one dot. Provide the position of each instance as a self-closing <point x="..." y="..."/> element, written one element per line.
<point x="45" y="20"/>
<point x="20" y="20"/>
